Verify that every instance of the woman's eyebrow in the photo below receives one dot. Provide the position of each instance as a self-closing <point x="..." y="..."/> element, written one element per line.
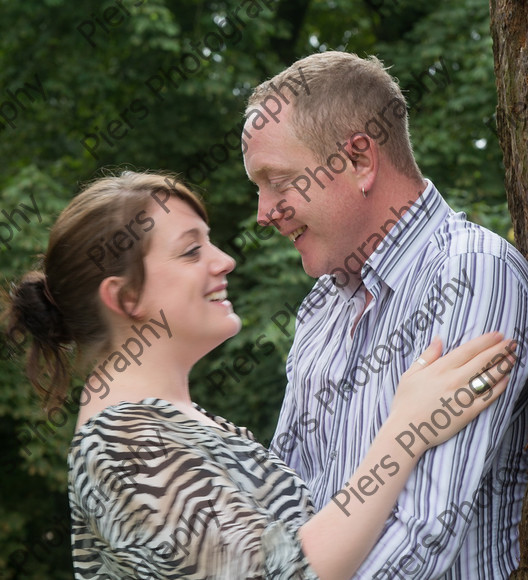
<point x="194" y="233"/>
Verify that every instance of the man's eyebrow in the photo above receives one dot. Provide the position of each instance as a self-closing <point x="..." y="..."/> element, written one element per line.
<point x="265" y="170"/>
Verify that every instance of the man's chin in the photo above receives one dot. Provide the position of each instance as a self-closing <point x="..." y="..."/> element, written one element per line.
<point x="342" y="276"/>
<point x="311" y="269"/>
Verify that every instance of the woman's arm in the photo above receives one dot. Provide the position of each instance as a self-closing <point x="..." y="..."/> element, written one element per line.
<point x="336" y="544"/>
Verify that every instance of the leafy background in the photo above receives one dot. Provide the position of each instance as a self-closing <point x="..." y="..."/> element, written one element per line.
<point x="88" y="87"/>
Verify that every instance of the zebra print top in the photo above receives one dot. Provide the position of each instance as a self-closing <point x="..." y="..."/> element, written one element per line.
<point x="155" y="494"/>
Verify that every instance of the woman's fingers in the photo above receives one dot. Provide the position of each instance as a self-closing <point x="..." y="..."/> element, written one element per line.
<point x="496" y="392"/>
<point x="480" y="403"/>
<point x="479" y="370"/>
<point x="478" y="365"/>
<point x="469" y="350"/>
<point x="432" y="353"/>
<point x="486" y="359"/>
<point x="487" y="368"/>
<point x="462" y="415"/>
<point x="459" y="356"/>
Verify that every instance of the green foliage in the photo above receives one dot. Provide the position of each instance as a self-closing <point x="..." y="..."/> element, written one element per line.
<point x="110" y="82"/>
<point x="453" y="145"/>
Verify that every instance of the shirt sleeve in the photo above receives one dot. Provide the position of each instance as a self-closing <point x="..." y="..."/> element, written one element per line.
<point x="160" y="507"/>
<point x="437" y="507"/>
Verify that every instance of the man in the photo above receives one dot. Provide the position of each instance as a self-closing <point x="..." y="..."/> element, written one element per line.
<point x="395" y="266"/>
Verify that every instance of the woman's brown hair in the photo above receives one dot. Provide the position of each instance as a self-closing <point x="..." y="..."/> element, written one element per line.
<point x="102" y="232"/>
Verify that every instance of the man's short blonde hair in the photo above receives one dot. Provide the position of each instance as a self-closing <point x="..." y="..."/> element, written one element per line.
<point x="346" y="95"/>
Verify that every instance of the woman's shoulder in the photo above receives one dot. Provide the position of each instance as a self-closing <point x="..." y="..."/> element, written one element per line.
<point x="120" y="430"/>
<point x="129" y="416"/>
<point x="151" y="425"/>
<point x="129" y="443"/>
<point x="150" y="408"/>
<point x="125" y="417"/>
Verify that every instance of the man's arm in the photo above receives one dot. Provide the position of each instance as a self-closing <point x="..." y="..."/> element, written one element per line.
<point x="416" y="542"/>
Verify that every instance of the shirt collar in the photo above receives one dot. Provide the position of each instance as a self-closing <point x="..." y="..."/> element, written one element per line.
<point x="347" y="292"/>
<point x="406" y="240"/>
<point x="399" y="248"/>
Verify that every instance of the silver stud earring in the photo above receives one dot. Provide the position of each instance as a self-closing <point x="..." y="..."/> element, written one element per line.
<point x="363" y="192"/>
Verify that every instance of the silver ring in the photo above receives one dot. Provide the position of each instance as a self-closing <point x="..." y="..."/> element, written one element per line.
<point x="421" y="361"/>
<point x="479" y="385"/>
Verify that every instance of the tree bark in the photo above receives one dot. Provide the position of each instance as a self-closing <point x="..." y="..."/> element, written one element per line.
<point x="509" y="30"/>
<point x="522" y="571"/>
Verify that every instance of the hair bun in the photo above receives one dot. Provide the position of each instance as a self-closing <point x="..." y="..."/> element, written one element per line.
<point x="34" y="310"/>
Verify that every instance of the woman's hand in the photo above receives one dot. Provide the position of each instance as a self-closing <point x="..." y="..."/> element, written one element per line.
<point x="444" y="387"/>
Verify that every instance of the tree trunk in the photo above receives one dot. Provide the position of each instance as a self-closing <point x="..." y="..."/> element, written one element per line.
<point x="509" y="29"/>
<point x="522" y="571"/>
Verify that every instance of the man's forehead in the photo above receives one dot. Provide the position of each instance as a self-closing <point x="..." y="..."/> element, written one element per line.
<point x="258" y="120"/>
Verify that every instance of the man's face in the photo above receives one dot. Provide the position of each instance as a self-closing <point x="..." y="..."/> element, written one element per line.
<point x="323" y="219"/>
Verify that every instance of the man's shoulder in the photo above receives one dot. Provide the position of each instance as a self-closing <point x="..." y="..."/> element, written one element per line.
<point x="457" y="236"/>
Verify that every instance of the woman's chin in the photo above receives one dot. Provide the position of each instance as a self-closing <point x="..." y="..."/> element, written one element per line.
<point x="232" y="327"/>
<point x="236" y="323"/>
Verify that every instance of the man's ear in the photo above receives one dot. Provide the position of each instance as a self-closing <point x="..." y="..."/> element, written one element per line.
<point x="117" y="298"/>
<point x="364" y="155"/>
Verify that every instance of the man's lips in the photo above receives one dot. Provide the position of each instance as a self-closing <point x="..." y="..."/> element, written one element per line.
<point x="296" y="233"/>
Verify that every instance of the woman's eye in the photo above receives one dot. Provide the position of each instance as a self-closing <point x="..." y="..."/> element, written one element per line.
<point x="193" y="252"/>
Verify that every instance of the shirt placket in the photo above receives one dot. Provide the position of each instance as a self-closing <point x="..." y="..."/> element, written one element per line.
<point x="354" y="342"/>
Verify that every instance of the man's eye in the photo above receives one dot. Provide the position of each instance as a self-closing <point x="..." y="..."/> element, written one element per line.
<point x="281" y="187"/>
<point x="192" y="252"/>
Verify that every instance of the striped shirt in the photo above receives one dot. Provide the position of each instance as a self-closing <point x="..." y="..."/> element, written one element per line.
<point x="435" y="273"/>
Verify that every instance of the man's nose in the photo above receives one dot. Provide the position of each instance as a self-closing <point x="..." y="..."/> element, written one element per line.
<point x="267" y="214"/>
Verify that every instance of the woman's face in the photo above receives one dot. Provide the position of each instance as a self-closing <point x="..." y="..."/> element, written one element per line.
<point x="185" y="276"/>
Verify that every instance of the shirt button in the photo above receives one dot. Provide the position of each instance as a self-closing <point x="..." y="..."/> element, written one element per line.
<point x="333" y="455"/>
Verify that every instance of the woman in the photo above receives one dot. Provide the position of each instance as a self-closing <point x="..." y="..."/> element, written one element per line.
<point x="158" y="487"/>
